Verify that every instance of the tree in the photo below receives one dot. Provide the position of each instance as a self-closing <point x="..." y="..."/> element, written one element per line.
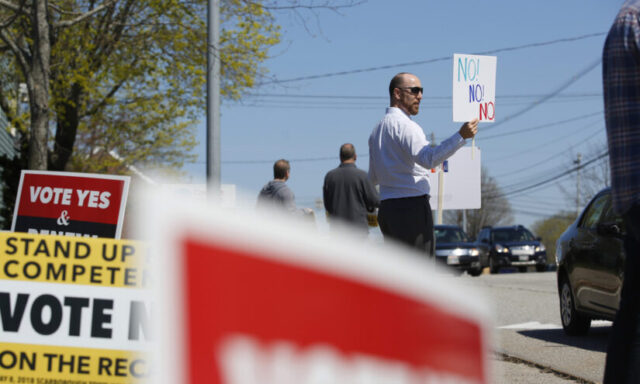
<point x="550" y="230"/>
<point x="592" y="178"/>
<point x="495" y="208"/>
<point x="121" y="76"/>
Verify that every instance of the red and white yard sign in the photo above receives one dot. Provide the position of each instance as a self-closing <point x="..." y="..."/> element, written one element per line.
<point x="251" y="299"/>
<point x="71" y="204"/>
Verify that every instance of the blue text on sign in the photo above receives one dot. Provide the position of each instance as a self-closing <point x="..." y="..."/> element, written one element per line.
<point x="470" y="69"/>
<point x="476" y="93"/>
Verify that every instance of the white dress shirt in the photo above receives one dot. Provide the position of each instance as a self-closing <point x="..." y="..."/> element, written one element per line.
<point x="400" y="156"/>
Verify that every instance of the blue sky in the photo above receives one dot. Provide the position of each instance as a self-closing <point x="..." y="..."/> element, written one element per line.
<point x="548" y="96"/>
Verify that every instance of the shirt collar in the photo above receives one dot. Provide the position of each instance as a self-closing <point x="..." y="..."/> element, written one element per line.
<point x="396" y="110"/>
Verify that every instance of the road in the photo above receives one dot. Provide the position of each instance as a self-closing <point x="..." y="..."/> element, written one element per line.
<point x="529" y="343"/>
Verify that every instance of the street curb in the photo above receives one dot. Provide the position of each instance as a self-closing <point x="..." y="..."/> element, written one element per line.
<point x="556" y="372"/>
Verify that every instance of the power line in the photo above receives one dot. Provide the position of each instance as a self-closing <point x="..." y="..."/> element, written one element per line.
<point x="326" y="158"/>
<point x="335" y="158"/>
<point x="519" y="185"/>
<point x="448" y="97"/>
<point x="430" y="61"/>
<point x="543" y="172"/>
<point x="545" y="160"/>
<point x="310" y="104"/>
<point x="556" y="140"/>
<point x="552" y="124"/>
<point x="553" y="178"/>
<point x="536" y="103"/>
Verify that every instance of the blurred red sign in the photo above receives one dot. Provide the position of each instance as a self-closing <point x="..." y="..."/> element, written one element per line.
<point x="253" y="319"/>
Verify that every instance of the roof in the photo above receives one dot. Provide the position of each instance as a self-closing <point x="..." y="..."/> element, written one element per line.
<point x="6" y="140"/>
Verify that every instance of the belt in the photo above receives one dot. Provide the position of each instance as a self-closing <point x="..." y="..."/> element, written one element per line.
<point x="409" y="198"/>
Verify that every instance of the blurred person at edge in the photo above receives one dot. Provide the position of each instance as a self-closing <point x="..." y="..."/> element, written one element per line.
<point x="399" y="159"/>
<point x="621" y="85"/>
<point x="348" y="194"/>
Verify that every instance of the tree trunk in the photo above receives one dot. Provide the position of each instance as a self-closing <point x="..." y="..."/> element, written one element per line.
<point x="38" y="83"/>
<point x="66" y="130"/>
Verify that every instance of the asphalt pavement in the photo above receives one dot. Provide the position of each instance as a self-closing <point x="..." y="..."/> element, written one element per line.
<point x="508" y="370"/>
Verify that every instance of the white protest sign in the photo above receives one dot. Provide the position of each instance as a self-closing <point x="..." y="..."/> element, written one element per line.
<point x="461" y="181"/>
<point x="474" y="88"/>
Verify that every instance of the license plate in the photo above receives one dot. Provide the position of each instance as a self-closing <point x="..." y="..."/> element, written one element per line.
<point x="524" y="258"/>
<point x="451" y="259"/>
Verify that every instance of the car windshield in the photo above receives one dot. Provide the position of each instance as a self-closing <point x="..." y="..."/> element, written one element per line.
<point x="512" y="234"/>
<point x="450" y="235"/>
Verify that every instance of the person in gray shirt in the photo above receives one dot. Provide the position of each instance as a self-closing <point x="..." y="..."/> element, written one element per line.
<point x="276" y="192"/>
<point x="348" y="193"/>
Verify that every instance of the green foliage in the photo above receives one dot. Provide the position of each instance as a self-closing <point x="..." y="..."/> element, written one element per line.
<point x="550" y="230"/>
<point x="10" y="169"/>
<point x="131" y="78"/>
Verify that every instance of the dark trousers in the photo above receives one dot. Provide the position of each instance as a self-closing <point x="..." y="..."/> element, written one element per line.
<point x="409" y="221"/>
<point x="623" y="354"/>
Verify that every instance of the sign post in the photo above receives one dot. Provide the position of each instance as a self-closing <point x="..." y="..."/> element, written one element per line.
<point x="462" y="178"/>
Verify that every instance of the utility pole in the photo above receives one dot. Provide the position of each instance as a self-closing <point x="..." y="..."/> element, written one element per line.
<point x="213" y="97"/>
<point x="577" y="162"/>
<point x="464" y="221"/>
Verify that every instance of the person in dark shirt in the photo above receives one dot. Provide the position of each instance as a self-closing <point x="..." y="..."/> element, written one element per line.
<point x="347" y="192"/>
<point x="621" y="81"/>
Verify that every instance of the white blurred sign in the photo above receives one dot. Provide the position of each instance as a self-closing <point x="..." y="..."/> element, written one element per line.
<point x="198" y="192"/>
<point x="474" y="88"/>
<point x="461" y="181"/>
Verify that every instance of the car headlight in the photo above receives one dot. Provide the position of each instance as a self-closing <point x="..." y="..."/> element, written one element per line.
<point x="474" y="252"/>
<point x="540" y="248"/>
<point x="501" y="249"/>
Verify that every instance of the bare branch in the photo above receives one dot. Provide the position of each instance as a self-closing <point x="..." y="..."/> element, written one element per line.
<point x="84" y="16"/>
<point x="13" y="46"/>
<point x="14" y="7"/>
<point x="17" y="12"/>
<point x="104" y="100"/>
<point x="311" y="5"/>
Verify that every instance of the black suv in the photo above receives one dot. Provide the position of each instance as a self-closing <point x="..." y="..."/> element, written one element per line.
<point x="454" y="249"/>
<point x="513" y="246"/>
<point x="590" y="257"/>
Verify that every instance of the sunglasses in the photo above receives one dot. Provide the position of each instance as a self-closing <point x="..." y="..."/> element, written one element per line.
<point x="413" y="90"/>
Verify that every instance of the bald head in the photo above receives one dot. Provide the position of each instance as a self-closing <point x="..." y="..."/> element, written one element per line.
<point x="401" y="94"/>
<point x="347" y="153"/>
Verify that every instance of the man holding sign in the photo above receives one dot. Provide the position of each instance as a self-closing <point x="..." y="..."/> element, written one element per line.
<point x="399" y="159"/>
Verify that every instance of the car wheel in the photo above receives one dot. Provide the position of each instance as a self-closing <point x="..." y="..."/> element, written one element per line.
<point x="573" y="323"/>
<point x="474" y="272"/>
<point x="493" y="267"/>
<point x="541" y="267"/>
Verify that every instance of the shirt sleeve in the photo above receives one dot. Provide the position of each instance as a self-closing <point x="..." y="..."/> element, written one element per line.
<point x="326" y="195"/>
<point x="288" y="199"/>
<point x="372" y="169"/>
<point x="372" y="200"/>
<point x="426" y="155"/>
